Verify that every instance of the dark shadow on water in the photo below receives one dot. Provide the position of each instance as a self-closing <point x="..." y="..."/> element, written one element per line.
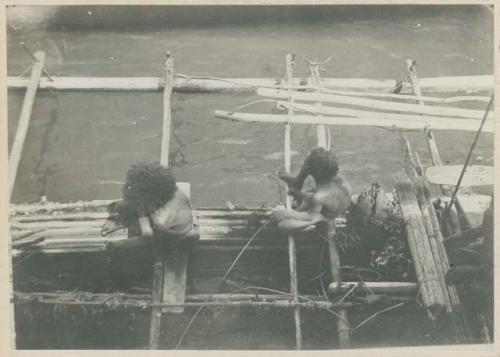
<point x="122" y="18"/>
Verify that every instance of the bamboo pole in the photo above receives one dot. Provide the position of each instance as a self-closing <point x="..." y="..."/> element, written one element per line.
<point x="348" y="112"/>
<point x="375" y="287"/>
<point x="167" y="113"/>
<point x="142" y="302"/>
<point x="292" y="255"/>
<point x="375" y="104"/>
<point x="321" y="132"/>
<point x="34" y="208"/>
<point x="24" y="118"/>
<point x="37" y="212"/>
<point x="399" y="96"/>
<point x="343" y="328"/>
<point x="193" y="84"/>
<point x="438" y="123"/>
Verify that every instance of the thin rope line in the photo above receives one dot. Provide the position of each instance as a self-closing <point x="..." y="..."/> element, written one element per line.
<point x="243" y="250"/>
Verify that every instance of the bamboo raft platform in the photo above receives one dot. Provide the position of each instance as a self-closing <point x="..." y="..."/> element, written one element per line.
<point x="61" y="233"/>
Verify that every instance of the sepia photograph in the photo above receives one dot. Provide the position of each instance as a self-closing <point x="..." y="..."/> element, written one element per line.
<point x="250" y="177"/>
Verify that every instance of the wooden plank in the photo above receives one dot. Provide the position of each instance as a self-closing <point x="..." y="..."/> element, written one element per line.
<point x="155" y="324"/>
<point x="24" y="118"/>
<point x="437" y="124"/>
<point x="174" y="280"/>
<point x="476" y="175"/>
<point x="375" y="104"/>
<point x="193" y="84"/>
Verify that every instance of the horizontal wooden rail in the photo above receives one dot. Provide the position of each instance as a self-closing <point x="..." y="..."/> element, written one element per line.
<point x="437" y="123"/>
<point x="469" y="84"/>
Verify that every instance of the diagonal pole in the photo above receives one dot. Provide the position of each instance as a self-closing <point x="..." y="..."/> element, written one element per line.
<point x="24" y="118"/>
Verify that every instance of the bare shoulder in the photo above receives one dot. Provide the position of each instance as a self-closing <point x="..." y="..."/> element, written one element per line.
<point x="181" y="197"/>
<point x="343" y="184"/>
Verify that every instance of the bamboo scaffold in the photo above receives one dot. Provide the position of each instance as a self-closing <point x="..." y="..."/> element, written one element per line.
<point x="61" y="228"/>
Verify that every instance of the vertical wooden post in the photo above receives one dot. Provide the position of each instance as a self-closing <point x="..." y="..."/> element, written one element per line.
<point x="321" y="130"/>
<point x="155" y="325"/>
<point x="292" y="254"/>
<point x="159" y="264"/>
<point x="24" y="118"/>
<point x="168" y="78"/>
<point x="343" y="329"/>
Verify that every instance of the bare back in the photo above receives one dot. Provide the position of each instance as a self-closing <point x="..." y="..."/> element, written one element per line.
<point x="334" y="197"/>
<point x="175" y="217"/>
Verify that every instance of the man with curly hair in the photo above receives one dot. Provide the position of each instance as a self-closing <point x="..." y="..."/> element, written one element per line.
<point x="331" y="197"/>
<point x="153" y="203"/>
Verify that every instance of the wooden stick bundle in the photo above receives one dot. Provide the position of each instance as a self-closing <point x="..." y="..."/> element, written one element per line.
<point x="425" y="267"/>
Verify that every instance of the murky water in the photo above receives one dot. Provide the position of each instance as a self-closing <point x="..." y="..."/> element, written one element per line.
<point x="80" y="144"/>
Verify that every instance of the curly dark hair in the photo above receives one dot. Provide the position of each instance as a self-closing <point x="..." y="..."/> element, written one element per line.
<point x="322" y="164"/>
<point x="148" y="187"/>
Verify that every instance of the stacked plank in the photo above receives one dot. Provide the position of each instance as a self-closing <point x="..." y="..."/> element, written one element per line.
<point x="354" y="108"/>
<point x="67" y="231"/>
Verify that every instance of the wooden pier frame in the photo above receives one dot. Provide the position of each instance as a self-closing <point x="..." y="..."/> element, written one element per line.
<point x="169" y="277"/>
<point x="24" y="118"/>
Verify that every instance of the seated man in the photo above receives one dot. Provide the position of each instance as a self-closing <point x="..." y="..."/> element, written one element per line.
<point x="331" y="197"/>
<point x="477" y="280"/>
<point x="152" y="204"/>
<point x="484" y="270"/>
